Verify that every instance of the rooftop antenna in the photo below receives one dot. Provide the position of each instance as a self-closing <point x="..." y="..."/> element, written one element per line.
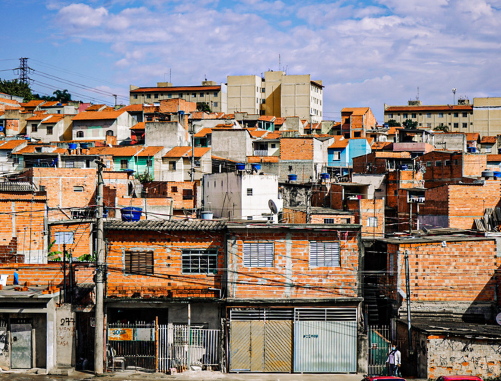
<point x="279" y="63"/>
<point x="170" y="75"/>
<point x="417" y="97"/>
<point x="454" y="96"/>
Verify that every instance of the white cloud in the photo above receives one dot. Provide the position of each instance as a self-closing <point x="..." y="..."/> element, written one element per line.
<point x="81" y="16"/>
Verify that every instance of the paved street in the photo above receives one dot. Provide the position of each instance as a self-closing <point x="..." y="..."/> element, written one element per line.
<point x="199" y="376"/>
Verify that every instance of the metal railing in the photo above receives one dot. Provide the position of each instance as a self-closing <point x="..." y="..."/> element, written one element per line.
<point x="183" y="346"/>
<point x="260" y="152"/>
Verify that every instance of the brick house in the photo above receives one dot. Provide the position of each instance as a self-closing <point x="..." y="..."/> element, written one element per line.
<point x="355" y="121"/>
<point x="157" y="268"/>
<point x="279" y="277"/>
<point x="176" y="163"/>
<point x="454" y="297"/>
<point x="316" y="215"/>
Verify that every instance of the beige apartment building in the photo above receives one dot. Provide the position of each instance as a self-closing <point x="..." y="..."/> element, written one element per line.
<point x="209" y="92"/>
<point x="276" y="94"/>
<point x="459" y="118"/>
<point x="487" y="116"/>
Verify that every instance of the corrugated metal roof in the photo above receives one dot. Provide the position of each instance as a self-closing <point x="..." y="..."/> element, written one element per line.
<point x="191" y="225"/>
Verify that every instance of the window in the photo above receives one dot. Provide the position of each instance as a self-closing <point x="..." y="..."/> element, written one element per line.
<point x="263" y="101"/>
<point x="372" y="222"/>
<point x="63" y="237"/>
<point x="324" y="254"/>
<point x="215" y="104"/>
<point x="405" y="116"/>
<point x="135" y="96"/>
<point x="438" y="163"/>
<point x="440" y="114"/>
<point x="488" y="149"/>
<point x="456" y="115"/>
<point x="149" y="162"/>
<point x="357" y="134"/>
<point x="328" y="220"/>
<point x="15" y="160"/>
<point x="109" y="133"/>
<point x="148" y="96"/>
<point x="156" y="96"/>
<point x="336" y="156"/>
<point x="199" y="261"/>
<point x="465" y="125"/>
<point x="201" y="95"/>
<point x="259" y="254"/>
<point x="80" y="134"/>
<point x="138" y="262"/>
<point x="172" y="165"/>
<point x="124" y="164"/>
<point x="187" y="194"/>
<point x="193" y="95"/>
<point x="447" y="162"/>
<point x="465" y="115"/>
<point x="41" y="188"/>
<point x="456" y="125"/>
<point x="173" y="189"/>
<point x="49" y="130"/>
<point x="249" y="191"/>
<point x="69" y="164"/>
<point x="390" y="116"/>
<point x="428" y="114"/>
<point x="391" y="267"/>
<point x="413" y="116"/>
<point x="249" y="218"/>
<point x="428" y="124"/>
<point x="428" y="163"/>
<point x="34" y="128"/>
<point x="215" y="93"/>
<point x="273" y="145"/>
<point x="78" y="188"/>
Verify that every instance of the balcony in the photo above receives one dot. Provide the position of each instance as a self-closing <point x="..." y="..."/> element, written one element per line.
<point x="260" y="152"/>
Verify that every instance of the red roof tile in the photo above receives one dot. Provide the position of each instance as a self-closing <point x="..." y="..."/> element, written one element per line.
<point x="429" y="108"/>
<point x="139" y="126"/>
<point x="262" y="159"/>
<point x="98" y="115"/>
<point x="203" y="132"/>
<point x="178" y="152"/>
<point x="53" y="119"/>
<point x="267" y="118"/>
<point x="133" y="108"/>
<point x="173" y="89"/>
<point x="139" y="151"/>
<point x="11" y="144"/>
<point x="488" y="139"/>
<point x="340" y="144"/>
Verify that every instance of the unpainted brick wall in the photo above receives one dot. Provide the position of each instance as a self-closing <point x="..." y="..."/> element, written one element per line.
<point x="82" y="239"/>
<point x="296" y="149"/>
<point x="168" y="279"/>
<point x="46" y="274"/>
<point x="291" y="276"/>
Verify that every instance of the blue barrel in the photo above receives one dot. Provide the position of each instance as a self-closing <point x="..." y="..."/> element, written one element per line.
<point x="497" y="174"/>
<point x="84" y="145"/>
<point x="131" y="213"/>
<point x="324" y="176"/>
<point x="72" y="146"/>
<point x="256" y="167"/>
<point x="206" y="215"/>
<point x="292" y="177"/>
<point x="240" y="167"/>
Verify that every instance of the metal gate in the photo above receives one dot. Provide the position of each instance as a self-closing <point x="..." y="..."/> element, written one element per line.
<point x="21" y="346"/>
<point x="378" y="348"/>
<point x="261" y="340"/>
<point x="135" y="342"/>
<point x="182" y="345"/>
<point x="325" y="340"/>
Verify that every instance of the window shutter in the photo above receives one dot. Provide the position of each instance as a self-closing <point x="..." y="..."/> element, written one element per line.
<point x="259" y="254"/>
<point x="324" y="254"/>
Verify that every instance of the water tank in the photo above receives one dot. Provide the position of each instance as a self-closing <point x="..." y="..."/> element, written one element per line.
<point x="72" y="146"/>
<point x="240" y="167"/>
<point x="324" y="176"/>
<point x="403" y="167"/>
<point x="256" y="167"/>
<point x="487" y="174"/>
<point x="497" y="174"/>
<point x="206" y="215"/>
<point x="131" y="213"/>
<point x="472" y="149"/>
<point x="84" y="145"/>
<point x="292" y="177"/>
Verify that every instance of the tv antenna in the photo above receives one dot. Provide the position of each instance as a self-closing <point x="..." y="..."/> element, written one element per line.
<point x="454" y="96"/>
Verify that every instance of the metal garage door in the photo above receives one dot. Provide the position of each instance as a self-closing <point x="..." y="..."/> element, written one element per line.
<point x="261" y="340"/>
<point x="325" y="340"/>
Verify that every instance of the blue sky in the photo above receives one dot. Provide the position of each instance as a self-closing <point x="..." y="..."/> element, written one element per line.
<point x="367" y="53"/>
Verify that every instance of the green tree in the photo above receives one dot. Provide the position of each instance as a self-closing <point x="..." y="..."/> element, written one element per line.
<point x="203" y="106"/>
<point x="62" y="96"/>
<point x="442" y="128"/>
<point x="409" y="123"/>
<point x="16" y="88"/>
<point x="393" y="123"/>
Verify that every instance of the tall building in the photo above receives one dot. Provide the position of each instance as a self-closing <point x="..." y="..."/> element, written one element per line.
<point x="458" y="118"/>
<point x="276" y="94"/>
<point x="209" y="92"/>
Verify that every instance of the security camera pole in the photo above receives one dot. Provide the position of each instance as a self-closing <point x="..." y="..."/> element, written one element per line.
<point x="99" y="330"/>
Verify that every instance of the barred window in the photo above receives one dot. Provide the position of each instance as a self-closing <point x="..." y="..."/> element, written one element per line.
<point x="324" y="254"/>
<point x="199" y="261"/>
<point x="259" y="254"/>
<point x="139" y="262"/>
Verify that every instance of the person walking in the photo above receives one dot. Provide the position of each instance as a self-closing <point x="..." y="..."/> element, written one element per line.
<point x="394" y="360"/>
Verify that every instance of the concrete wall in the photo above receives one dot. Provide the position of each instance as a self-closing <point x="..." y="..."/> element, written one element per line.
<point x="450" y="142"/>
<point x="244" y="93"/>
<point x="65" y="336"/>
<point x="166" y="134"/>
<point x="232" y="144"/>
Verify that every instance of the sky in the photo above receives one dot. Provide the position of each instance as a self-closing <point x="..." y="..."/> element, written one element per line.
<point x="367" y="53"/>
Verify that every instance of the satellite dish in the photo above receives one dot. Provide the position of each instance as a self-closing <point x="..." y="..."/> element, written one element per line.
<point x="272" y="206"/>
<point x="498" y="318"/>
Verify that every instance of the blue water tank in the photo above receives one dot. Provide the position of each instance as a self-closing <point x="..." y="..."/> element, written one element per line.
<point x="403" y="167"/>
<point x="292" y="177"/>
<point x="240" y="167"/>
<point x="324" y="176"/>
<point x="84" y="145"/>
<point x="131" y="213"/>
<point x="256" y="167"/>
<point x="497" y="174"/>
<point x="72" y="146"/>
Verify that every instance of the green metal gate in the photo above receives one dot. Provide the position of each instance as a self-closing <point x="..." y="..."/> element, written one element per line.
<point x="378" y="348"/>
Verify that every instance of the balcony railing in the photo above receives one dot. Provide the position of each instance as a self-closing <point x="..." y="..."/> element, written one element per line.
<point x="260" y="152"/>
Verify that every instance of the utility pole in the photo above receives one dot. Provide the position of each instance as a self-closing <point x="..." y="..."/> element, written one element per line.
<point x="99" y="333"/>
<point x="410" y="217"/>
<point x="115" y="100"/>
<point x="24" y="70"/>
<point x="192" y="133"/>
<point x="408" y="292"/>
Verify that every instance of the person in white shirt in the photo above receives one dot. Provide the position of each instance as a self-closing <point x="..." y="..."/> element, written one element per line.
<point x="394" y="360"/>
